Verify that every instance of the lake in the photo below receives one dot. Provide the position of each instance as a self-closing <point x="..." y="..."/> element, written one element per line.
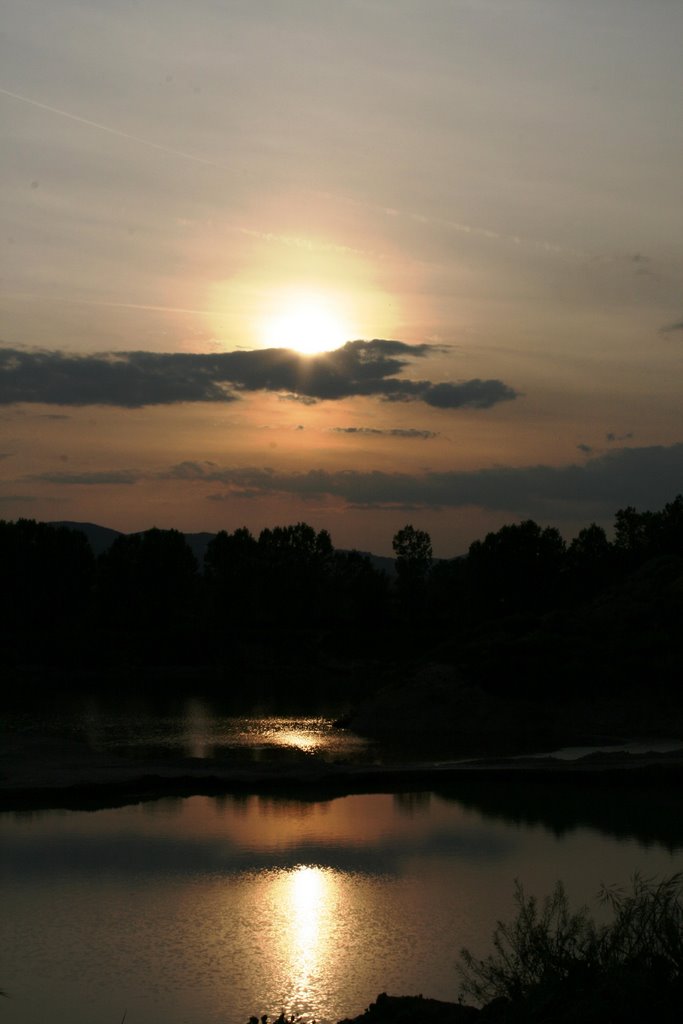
<point x="206" y="911"/>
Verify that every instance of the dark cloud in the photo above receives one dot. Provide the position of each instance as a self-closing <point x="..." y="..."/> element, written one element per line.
<point x="618" y="437"/>
<point x="114" y="476"/>
<point x="475" y="394"/>
<point x="585" y="448"/>
<point x="671" y="328"/>
<point x="393" y="432"/>
<point x="478" y="394"/>
<point x="134" y="379"/>
<point x="645" y="477"/>
<point x="127" y="379"/>
<point x="191" y="471"/>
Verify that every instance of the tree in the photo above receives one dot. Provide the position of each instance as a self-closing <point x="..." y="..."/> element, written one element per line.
<point x="46" y="579"/>
<point x="517" y="567"/>
<point x="295" y="563"/>
<point x="413" y="551"/>
<point x="633" y="534"/>
<point x="642" y="535"/>
<point x="231" y="572"/>
<point x="148" y="578"/>
<point x="296" y="544"/>
<point x="589" y="560"/>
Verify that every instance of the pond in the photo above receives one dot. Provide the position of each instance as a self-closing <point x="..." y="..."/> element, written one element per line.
<point x="147" y="730"/>
<point x="206" y="911"/>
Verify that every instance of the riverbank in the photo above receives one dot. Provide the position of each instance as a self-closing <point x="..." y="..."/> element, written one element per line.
<point x="38" y="772"/>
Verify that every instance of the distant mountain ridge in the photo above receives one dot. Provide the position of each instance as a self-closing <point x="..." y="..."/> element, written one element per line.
<point x="101" y="538"/>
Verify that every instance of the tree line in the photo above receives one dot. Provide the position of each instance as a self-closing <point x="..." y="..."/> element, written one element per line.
<point x="288" y="594"/>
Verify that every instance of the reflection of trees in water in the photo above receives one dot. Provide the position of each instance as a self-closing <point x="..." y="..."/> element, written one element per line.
<point x="648" y="814"/>
<point x="277" y="805"/>
<point x="238" y="803"/>
<point x="411" y="804"/>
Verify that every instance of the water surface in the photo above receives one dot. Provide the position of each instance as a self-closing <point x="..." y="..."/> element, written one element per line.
<point x="194" y="729"/>
<point x="206" y="911"/>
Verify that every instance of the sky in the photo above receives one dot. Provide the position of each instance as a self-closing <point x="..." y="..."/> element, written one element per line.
<point x="359" y="263"/>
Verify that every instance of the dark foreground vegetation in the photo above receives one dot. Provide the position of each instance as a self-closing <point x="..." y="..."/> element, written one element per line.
<point x="554" y="966"/>
<point x="493" y="642"/>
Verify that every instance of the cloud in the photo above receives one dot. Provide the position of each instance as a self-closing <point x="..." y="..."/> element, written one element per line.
<point x="671" y="328"/>
<point x="585" y="448"/>
<point x="610" y="436"/>
<point x="134" y="379"/>
<point x="97" y="478"/>
<point x="191" y="471"/>
<point x="645" y="477"/>
<point x="393" y="432"/>
<point x="126" y="379"/>
<point x="478" y="394"/>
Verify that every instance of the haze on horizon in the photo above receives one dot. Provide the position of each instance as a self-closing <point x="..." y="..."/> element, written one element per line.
<point x="355" y="263"/>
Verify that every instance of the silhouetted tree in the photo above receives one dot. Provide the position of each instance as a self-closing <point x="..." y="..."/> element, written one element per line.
<point x="517" y="568"/>
<point x="671" y="527"/>
<point x="147" y="587"/>
<point x="294" y="562"/>
<point x="413" y="551"/>
<point x="46" y="581"/>
<point x="447" y="592"/>
<point x="357" y="594"/>
<point x="295" y="544"/>
<point x="633" y="534"/>
<point x="590" y="561"/>
<point x="642" y="535"/>
<point x="231" y="571"/>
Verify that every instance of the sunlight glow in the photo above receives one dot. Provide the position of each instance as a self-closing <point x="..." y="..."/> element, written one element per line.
<point x="309" y="897"/>
<point x="305" y="740"/>
<point x="306" y="322"/>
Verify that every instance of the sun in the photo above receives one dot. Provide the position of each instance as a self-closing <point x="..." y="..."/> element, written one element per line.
<point x="307" y="323"/>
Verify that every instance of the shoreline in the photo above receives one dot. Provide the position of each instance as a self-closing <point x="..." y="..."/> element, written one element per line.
<point x="53" y="777"/>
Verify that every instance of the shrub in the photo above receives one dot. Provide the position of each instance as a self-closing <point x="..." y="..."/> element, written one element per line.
<point x="552" y="964"/>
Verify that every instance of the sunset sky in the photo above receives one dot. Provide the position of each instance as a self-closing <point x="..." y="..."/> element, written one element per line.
<point x="358" y="263"/>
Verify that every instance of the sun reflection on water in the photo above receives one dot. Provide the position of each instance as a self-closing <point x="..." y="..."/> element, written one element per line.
<point x="206" y="735"/>
<point x="306" y="740"/>
<point x="308" y="898"/>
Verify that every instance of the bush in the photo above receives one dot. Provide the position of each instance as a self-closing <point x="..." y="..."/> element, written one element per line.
<point x="552" y="964"/>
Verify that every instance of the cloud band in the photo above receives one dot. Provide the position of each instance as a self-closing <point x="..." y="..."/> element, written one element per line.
<point x="646" y="477"/>
<point x="134" y="379"/>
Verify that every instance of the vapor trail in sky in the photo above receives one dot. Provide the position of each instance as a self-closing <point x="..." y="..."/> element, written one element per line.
<point x="469" y="229"/>
<point x="114" y="131"/>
